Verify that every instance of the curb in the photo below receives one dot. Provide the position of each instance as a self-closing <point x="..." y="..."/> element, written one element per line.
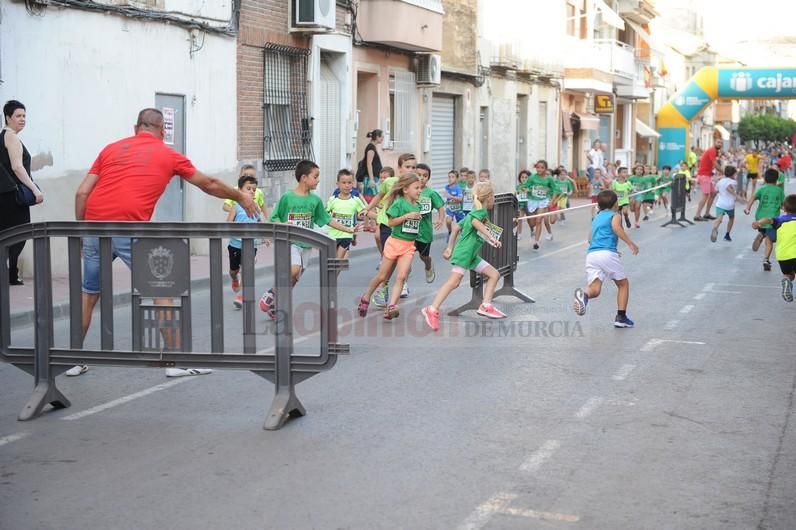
<point x="61" y="311"/>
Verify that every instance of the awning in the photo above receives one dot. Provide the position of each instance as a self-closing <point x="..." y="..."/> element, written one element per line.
<point x="588" y="121"/>
<point x="566" y="123"/>
<point x="642" y="129"/>
<point x="725" y="134"/>
<point x="610" y="16"/>
<point x="646" y="37"/>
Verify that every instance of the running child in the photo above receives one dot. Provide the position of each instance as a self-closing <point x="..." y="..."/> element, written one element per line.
<point x="467" y="189"/>
<point x="725" y="204"/>
<point x="484" y="176"/>
<point x="453" y="196"/>
<point x="465" y="255"/>
<point x="622" y="188"/>
<point x="346" y="209"/>
<point x="386" y="173"/>
<point x="666" y="179"/>
<point x="522" y="202"/>
<point x="429" y="200"/>
<point x="403" y="217"/>
<point x="602" y="259"/>
<point x="247" y="183"/>
<point x="541" y="189"/>
<point x="637" y="181"/>
<point x="770" y="196"/>
<point x="300" y="207"/>
<point x="785" y="226"/>
<point x="566" y="187"/>
<point x="248" y="170"/>
<point x="650" y="195"/>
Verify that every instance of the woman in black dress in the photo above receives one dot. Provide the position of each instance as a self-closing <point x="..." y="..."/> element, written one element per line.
<point x="15" y="171"/>
<point x="370" y="166"/>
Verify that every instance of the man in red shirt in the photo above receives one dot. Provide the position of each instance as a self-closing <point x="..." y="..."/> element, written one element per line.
<point x="124" y="184"/>
<point x="785" y="162"/>
<point x="708" y="163"/>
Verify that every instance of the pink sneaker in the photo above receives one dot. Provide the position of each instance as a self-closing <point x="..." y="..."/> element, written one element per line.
<point x="431" y="316"/>
<point x="235" y="285"/>
<point x="267" y="302"/>
<point x="490" y="311"/>
<point x="238" y="302"/>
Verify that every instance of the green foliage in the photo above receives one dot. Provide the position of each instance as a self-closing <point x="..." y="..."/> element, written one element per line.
<point x="766" y="128"/>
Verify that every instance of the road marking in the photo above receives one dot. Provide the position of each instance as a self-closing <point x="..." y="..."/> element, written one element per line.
<point x="708" y="286"/>
<point x="623" y="372"/>
<point x="699" y="296"/>
<point x="535" y="461"/>
<point x="749" y="285"/>
<point x="670" y="325"/>
<point x="739" y="256"/>
<point x="686" y="309"/>
<point x="5" y="440"/>
<point x="717" y="291"/>
<point x="651" y="344"/>
<point x="481" y="516"/>
<point x="546" y="516"/>
<point x="620" y="403"/>
<point x="125" y="399"/>
<point x="588" y="407"/>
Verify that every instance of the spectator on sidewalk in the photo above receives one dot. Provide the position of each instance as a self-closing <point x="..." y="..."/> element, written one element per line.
<point x="14" y="171"/>
<point x="124" y="184"/>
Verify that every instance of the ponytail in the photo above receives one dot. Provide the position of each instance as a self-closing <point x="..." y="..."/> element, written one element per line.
<point x="374" y="134"/>
<point x="481" y="192"/>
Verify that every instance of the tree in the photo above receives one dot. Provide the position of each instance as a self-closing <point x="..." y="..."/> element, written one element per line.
<point x="766" y="128"/>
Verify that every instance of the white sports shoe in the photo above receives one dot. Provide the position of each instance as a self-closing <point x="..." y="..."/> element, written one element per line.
<point x="404" y="291"/>
<point x="549" y="237"/>
<point x="77" y="370"/>
<point x="183" y="372"/>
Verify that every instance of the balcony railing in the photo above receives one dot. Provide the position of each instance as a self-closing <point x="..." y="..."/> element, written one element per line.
<point x="621" y="57"/>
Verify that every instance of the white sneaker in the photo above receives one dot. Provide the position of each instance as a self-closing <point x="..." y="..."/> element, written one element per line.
<point x="182" y="372"/>
<point x="77" y="370"/>
<point x="405" y="291"/>
<point x="549" y="237"/>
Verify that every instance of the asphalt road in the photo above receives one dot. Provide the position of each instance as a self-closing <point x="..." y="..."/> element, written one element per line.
<point x="547" y="420"/>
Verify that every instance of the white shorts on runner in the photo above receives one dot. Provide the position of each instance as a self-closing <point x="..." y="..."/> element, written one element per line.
<point x="481" y="267"/>
<point x="604" y="265"/>
<point x="300" y="256"/>
<point x="535" y="205"/>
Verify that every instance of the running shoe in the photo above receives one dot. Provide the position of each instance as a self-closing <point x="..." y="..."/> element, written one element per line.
<point x="432" y="317"/>
<point x="627" y="221"/>
<point x="183" y="372"/>
<point x="548" y="237"/>
<point x="699" y="218"/>
<point x="490" y="311"/>
<point x="714" y="234"/>
<point x="77" y="370"/>
<point x="391" y="312"/>
<point x="580" y="302"/>
<point x="380" y="296"/>
<point x="362" y="308"/>
<point x="787" y="289"/>
<point x="267" y="301"/>
<point x="623" y="322"/>
<point x="235" y="285"/>
<point x="646" y="218"/>
<point x="536" y="246"/>
<point x="709" y="217"/>
<point x="756" y="243"/>
<point x="404" y="291"/>
<point x="237" y="303"/>
<point x="430" y="275"/>
<point x="638" y="225"/>
<point x="727" y="237"/>
<point x="766" y="265"/>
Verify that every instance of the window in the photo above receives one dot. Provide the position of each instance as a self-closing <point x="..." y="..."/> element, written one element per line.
<point x="403" y="110"/>
<point x="287" y="136"/>
<point x="577" y="25"/>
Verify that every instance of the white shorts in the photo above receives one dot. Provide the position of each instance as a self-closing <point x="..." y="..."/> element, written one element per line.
<point x="535" y="205"/>
<point x="481" y="267"/>
<point x="300" y="256"/>
<point x="604" y="265"/>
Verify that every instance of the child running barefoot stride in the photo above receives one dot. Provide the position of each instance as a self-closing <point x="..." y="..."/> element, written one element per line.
<point x="785" y="226"/>
<point x="403" y="216"/>
<point x="602" y="259"/>
<point x="465" y="255"/>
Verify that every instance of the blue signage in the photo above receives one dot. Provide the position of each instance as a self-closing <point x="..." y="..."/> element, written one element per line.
<point x="691" y="100"/>
<point x="757" y="83"/>
<point x="671" y="146"/>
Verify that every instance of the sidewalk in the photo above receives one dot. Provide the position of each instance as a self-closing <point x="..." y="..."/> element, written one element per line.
<point x="22" y="298"/>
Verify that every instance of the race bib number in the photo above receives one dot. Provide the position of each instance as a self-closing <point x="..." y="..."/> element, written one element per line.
<point x="494" y="230"/>
<point x="411" y="226"/>
<point x="346" y="220"/>
<point x="522" y="196"/>
<point x="300" y="219"/>
<point x="425" y="205"/>
<point x="455" y="206"/>
<point x="467" y="204"/>
<point x="539" y="192"/>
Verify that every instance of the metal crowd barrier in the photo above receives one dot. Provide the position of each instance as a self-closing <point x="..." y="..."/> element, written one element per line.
<point x="678" y="201"/>
<point x="504" y="259"/>
<point x="161" y="273"/>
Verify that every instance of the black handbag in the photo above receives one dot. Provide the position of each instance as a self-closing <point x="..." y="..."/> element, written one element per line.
<point x="24" y="196"/>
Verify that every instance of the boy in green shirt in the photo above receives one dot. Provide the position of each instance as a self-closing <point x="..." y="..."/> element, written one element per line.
<point x="649" y="181"/>
<point x="300" y="207"/>
<point x="346" y="210"/>
<point x="770" y="196"/>
<point x="667" y="179"/>
<point x="637" y="181"/>
<point x="429" y="200"/>
<point x="623" y="188"/>
<point x="541" y="188"/>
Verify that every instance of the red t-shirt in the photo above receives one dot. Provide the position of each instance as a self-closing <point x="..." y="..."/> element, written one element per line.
<point x="133" y="173"/>
<point x="707" y="161"/>
<point x="784" y="162"/>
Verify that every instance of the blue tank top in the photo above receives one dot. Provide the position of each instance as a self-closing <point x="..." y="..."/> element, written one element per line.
<point x="602" y="235"/>
<point x="241" y="217"/>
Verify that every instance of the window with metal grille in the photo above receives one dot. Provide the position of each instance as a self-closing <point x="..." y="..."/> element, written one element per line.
<point x="403" y="110"/>
<point x="286" y="124"/>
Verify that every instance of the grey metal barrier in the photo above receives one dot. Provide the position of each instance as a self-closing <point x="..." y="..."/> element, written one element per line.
<point x="161" y="306"/>
<point x="678" y="201"/>
<point x="504" y="259"/>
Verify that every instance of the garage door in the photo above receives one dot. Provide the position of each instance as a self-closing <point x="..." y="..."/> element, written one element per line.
<point x="443" y="120"/>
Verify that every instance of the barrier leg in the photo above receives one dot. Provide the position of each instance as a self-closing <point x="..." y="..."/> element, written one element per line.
<point x="286" y="405"/>
<point x="674" y="220"/>
<point x="508" y="289"/>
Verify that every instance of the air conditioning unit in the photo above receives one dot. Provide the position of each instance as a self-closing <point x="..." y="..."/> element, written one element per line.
<point x="429" y="69"/>
<point x="311" y="14"/>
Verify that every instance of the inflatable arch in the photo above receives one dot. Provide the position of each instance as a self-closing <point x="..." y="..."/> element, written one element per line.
<point x="708" y="84"/>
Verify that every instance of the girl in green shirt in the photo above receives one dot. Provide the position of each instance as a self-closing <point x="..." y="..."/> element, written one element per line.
<point x="465" y="255"/>
<point x="403" y="217"/>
